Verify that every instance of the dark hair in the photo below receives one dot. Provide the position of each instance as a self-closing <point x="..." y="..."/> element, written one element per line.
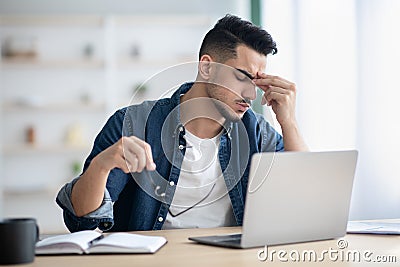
<point x="230" y="32"/>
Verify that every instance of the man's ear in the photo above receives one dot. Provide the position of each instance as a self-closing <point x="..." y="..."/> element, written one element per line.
<point x="205" y="67"/>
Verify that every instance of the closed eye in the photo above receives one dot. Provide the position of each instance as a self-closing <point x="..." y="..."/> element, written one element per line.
<point x="245" y="74"/>
<point x="240" y="77"/>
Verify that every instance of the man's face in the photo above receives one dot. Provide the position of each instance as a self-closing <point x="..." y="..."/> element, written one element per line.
<point x="231" y="83"/>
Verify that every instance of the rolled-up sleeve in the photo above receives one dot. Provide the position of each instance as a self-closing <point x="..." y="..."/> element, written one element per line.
<point x="101" y="218"/>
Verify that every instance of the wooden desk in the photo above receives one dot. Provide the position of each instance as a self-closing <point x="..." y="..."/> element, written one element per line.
<point x="179" y="251"/>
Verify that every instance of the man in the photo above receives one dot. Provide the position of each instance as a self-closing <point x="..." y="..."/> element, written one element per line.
<point x="183" y="161"/>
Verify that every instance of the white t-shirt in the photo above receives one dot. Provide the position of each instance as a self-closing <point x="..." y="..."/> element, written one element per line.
<point x="200" y="174"/>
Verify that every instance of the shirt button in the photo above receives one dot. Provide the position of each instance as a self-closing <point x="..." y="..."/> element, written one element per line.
<point x="171" y="183"/>
<point x="181" y="147"/>
<point x="160" y="219"/>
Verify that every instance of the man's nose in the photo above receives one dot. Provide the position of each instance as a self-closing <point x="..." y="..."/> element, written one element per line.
<point x="249" y="91"/>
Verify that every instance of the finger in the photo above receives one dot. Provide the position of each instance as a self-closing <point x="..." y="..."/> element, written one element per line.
<point x="266" y="76"/>
<point x="278" y="90"/>
<point x="268" y="98"/>
<point x="271" y="89"/>
<point x="132" y="163"/>
<point x="264" y="100"/>
<point x="140" y="154"/>
<point x="265" y="83"/>
<point x="129" y="158"/>
<point x="150" y="165"/>
<point x="277" y="97"/>
<point x="123" y="164"/>
<point x="264" y="80"/>
<point x="134" y="150"/>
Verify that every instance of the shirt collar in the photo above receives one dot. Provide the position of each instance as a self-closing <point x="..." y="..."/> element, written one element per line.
<point x="183" y="89"/>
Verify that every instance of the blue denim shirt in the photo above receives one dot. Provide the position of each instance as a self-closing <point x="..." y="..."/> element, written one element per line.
<point x="127" y="204"/>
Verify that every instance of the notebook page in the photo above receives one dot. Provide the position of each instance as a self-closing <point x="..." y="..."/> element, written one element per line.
<point x="128" y="243"/>
<point x="77" y="242"/>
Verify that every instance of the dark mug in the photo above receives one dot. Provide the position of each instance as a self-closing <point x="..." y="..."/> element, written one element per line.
<point x="18" y="238"/>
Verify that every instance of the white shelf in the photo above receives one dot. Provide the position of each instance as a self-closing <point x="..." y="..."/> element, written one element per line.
<point x="90" y="64"/>
<point x="12" y="191"/>
<point x="22" y="63"/>
<point x="98" y="21"/>
<point x="43" y="149"/>
<point x="51" y="20"/>
<point x="173" y="20"/>
<point x="56" y="107"/>
<point x="159" y="63"/>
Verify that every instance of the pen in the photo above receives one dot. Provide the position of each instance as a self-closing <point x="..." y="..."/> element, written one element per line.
<point x="96" y="240"/>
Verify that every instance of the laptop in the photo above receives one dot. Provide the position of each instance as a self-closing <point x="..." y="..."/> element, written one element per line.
<point x="294" y="197"/>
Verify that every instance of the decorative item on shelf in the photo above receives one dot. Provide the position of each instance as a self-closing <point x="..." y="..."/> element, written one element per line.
<point x="19" y="48"/>
<point x="29" y="101"/>
<point x="74" y="136"/>
<point x="85" y="98"/>
<point x="139" y="89"/>
<point x="30" y="135"/>
<point x="88" y="51"/>
<point x="76" y="167"/>
<point x="135" y="52"/>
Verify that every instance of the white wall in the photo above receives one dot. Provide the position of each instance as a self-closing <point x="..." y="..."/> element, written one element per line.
<point x="309" y="55"/>
<point x="378" y="127"/>
<point x="343" y="56"/>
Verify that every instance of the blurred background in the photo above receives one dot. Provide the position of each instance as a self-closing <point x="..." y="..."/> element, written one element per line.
<point x="67" y="66"/>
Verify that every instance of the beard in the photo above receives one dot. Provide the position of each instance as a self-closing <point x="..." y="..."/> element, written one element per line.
<point x="218" y="95"/>
<point x="226" y="111"/>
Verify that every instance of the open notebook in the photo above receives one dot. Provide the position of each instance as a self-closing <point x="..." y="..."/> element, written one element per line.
<point x="89" y="242"/>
